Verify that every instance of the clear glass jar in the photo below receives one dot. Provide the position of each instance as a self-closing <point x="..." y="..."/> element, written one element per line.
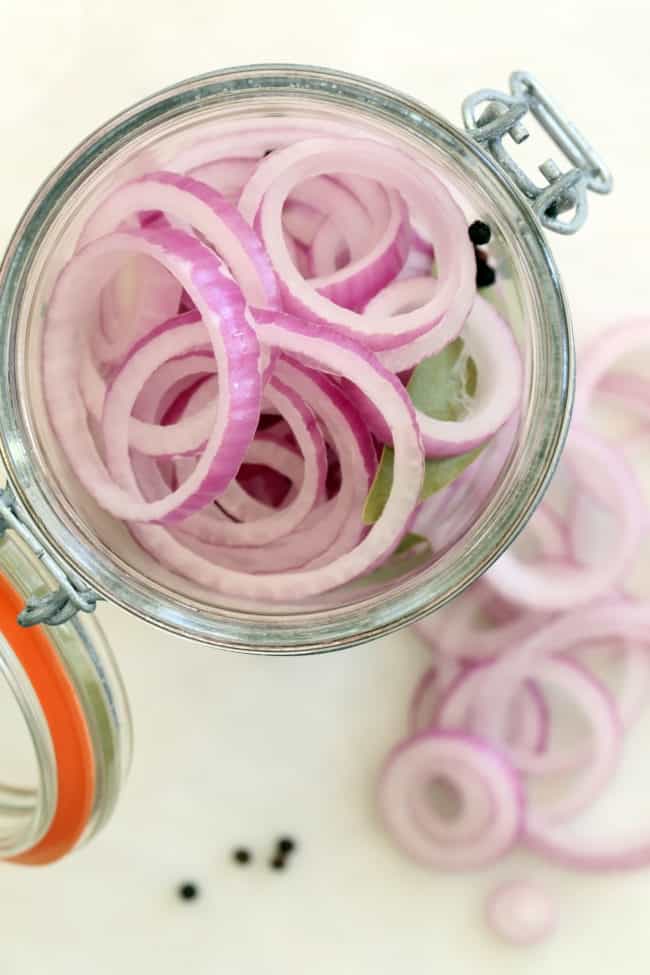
<point x="99" y="549"/>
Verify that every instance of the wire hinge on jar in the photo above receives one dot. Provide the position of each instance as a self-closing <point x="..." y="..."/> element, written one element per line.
<point x="564" y="192"/>
<point x="61" y="604"/>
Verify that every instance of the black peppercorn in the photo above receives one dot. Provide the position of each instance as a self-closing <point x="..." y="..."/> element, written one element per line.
<point x="286" y="845"/>
<point x="188" y="891"/>
<point x="479" y="233"/>
<point x="278" y="862"/>
<point x="242" y="855"/>
<point x="485" y="275"/>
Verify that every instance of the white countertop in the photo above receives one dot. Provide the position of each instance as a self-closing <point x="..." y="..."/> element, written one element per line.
<point x="236" y="750"/>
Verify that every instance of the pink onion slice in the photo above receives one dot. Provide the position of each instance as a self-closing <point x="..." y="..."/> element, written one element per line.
<point x="243" y="139"/>
<point x="472" y="706"/>
<point x="273" y="182"/>
<point x="301" y="222"/>
<point x="202" y="208"/>
<point x="520" y="912"/>
<point x="405" y="295"/>
<point x="489" y="342"/>
<point x="278" y="523"/>
<point x="525" y="728"/>
<point x="141" y="295"/>
<point x="336" y="526"/>
<point x="602" y="355"/>
<point x="464" y="763"/>
<point x="430" y="692"/>
<point x="233" y="341"/>
<point x="491" y="345"/>
<point x="565" y="585"/>
<point x="338" y="354"/>
<point x="350" y="225"/>
<point x="236" y="500"/>
<point x="226" y="176"/>
<point x="165" y="395"/>
<point x="352" y="285"/>
<point x="456" y="631"/>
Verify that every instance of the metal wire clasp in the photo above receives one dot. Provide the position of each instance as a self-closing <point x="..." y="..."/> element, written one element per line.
<point x="564" y="192"/>
<point x="59" y="605"/>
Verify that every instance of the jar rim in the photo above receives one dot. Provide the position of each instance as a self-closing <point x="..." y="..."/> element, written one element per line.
<point x="302" y="630"/>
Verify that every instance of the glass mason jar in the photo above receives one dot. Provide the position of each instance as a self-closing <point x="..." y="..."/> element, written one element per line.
<point x="94" y="553"/>
<point x="64" y="713"/>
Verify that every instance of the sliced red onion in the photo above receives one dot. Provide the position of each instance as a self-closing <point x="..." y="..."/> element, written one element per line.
<point x="597" y="707"/>
<point x="448" y="514"/>
<point x="302" y="222"/>
<point x="140" y="296"/>
<point x="628" y="337"/>
<point x="489" y="342"/>
<point x="566" y="585"/>
<point x="236" y="500"/>
<point x="476" y="773"/>
<point x="521" y="912"/>
<point x="352" y="285"/>
<point x="276" y="177"/>
<point x="404" y="296"/>
<point x="628" y="700"/>
<point x="457" y="632"/>
<point x="337" y="354"/>
<point x="525" y="728"/>
<point x="430" y="692"/>
<point x="351" y="227"/>
<point x="248" y="139"/>
<point x="336" y="526"/>
<point x="233" y="341"/>
<point x="206" y="210"/>
<point x="280" y="522"/>
<point x="165" y="395"/>
<point x="227" y="176"/>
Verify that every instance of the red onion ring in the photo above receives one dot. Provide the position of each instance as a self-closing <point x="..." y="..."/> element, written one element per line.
<point x="234" y="343"/>
<point x="279" y="522"/>
<point x="567" y="585"/>
<point x="273" y="182"/>
<point x="466" y="762"/>
<point x="203" y="208"/>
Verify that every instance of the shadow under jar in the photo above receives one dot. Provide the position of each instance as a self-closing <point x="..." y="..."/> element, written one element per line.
<point x="470" y="532"/>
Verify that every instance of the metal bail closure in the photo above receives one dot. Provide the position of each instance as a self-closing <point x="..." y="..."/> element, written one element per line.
<point x="490" y="115"/>
<point x="70" y="596"/>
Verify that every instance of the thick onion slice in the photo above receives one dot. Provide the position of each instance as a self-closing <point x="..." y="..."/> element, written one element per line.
<point x="487" y="789"/>
<point x="233" y="341"/>
<point x="199" y="206"/>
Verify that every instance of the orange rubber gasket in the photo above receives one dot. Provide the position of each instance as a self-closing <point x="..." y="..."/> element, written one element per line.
<point x="75" y="763"/>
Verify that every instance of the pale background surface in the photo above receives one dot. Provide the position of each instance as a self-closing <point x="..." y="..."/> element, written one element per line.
<point x="234" y="749"/>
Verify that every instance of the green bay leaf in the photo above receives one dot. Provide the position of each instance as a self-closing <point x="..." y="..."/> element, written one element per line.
<point x="439" y="387"/>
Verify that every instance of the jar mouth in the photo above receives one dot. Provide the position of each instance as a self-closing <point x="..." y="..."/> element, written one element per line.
<point x="295" y="629"/>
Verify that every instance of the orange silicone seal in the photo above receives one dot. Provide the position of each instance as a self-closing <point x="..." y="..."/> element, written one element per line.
<point x="75" y="764"/>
